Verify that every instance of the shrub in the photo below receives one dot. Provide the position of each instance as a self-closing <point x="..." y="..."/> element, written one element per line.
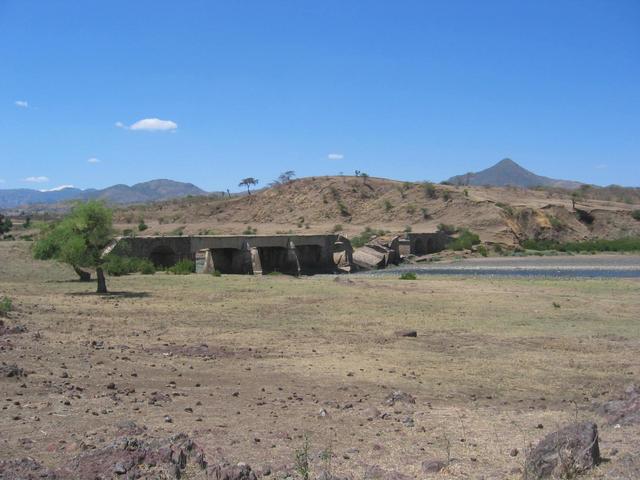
<point x="466" y="192"/>
<point x="425" y="213"/>
<point x="446" y="196"/>
<point x="482" y="250"/>
<point x="337" y="228"/>
<point x="115" y="265"/>
<point x="448" y="229"/>
<point x="365" y="237"/>
<point x="636" y="215"/>
<point x="388" y="206"/>
<point x="142" y="226"/>
<point x="6" y="305"/>
<point x="466" y="239"/>
<point x="183" y="267"/>
<point x="216" y="273"/>
<point x="430" y="190"/>
<point x="411" y="209"/>
<point x="147" y="267"/>
<point x="408" y="229"/>
<point x="344" y="211"/>
<point x="250" y="230"/>
<point x="408" y="276"/>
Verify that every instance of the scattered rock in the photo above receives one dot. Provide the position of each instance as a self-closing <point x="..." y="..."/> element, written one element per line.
<point x="406" y="333"/>
<point x="565" y="453"/>
<point x="371" y="413"/>
<point x="433" y="466"/>
<point x="399" y="396"/>
<point x="374" y="472"/>
<point x="625" y="410"/>
<point x="625" y="467"/>
<point x="11" y="371"/>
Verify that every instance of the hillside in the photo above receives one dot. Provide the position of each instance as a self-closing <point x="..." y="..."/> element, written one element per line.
<point x="508" y="173"/>
<point x="151" y="191"/>
<point x="504" y="215"/>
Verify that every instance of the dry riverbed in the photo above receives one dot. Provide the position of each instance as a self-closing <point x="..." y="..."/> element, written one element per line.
<point x="248" y="367"/>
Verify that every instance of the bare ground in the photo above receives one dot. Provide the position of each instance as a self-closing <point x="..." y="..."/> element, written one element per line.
<point x="247" y="366"/>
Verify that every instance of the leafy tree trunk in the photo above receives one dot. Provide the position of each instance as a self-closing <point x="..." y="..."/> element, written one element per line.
<point x="102" y="284"/>
<point x="84" y="276"/>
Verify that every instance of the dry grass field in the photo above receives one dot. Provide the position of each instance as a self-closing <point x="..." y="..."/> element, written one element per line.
<point x="250" y="366"/>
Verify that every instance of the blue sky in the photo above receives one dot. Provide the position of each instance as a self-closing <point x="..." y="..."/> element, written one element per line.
<point x="214" y="91"/>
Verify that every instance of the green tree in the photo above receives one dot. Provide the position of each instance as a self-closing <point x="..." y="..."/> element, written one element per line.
<point x="79" y="239"/>
<point x="248" y="182"/>
<point x="5" y="224"/>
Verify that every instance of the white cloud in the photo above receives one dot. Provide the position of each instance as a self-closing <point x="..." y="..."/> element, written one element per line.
<point x="335" y="156"/>
<point x="58" y="188"/>
<point x="21" y="103"/>
<point x="151" y="125"/>
<point x="93" y="160"/>
<point x="40" y="179"/>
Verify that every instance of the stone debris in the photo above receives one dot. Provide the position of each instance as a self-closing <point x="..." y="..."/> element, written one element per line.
<point x="399" y="396"/>
<point x="131" y="457"/>
<point x="563" y="454"/>
<point x="625" y="410"/>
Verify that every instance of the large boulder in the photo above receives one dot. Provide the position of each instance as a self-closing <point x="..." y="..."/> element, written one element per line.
<point x="565" y="453"/>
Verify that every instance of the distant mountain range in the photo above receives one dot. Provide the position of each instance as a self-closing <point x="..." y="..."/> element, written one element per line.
<point x="508" y="173"/>
<point x="151" y="191"/>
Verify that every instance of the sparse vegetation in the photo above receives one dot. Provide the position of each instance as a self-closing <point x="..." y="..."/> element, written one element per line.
<point x="465" y="241"/>
<point x="6" y="305"/>
<point x="425" y="213"/>
<point x="365" y="237"/>
<point x="250" y="230"/>
<point x="302" y="459"/>
<point x="430" y="190"/>
<point x="183" y="267"/>
<point x="337" y="228"/>
<point x="388" y="206"/>
<point x="408" y="276"/>
<point x="116" y="265"/>
<point x="636" y="215"/>
<point x="448" y="229"/>
<point x="216" y="273"/>
<point x="482" y="250"/>
<point x="142" y="226"/>
<point x="628" y="244"/>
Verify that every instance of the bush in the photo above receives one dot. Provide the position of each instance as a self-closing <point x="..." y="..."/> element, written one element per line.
<point x="408" y="276"/>
<point x="448" y="229"/>
<point x="425" y="213"/>
<point x="183" y="267"/>
<point x="250" y="230"/>
<point x="430" y="190"/>
<point x="408" y="229"/>
<point x="636" y="215"/>
<point x="142" y="226"/>
<point x="116" y="265"/>
<point x="216" y="273"/>
<point x="388" y="206"/>
<point x="466" y="239"/>
<point x="365" y="237"/>
<point x="482" y="250"/>
<point x="6" y="305"/>
<point x="147" y="267"/>
<point x="337" y="228"/>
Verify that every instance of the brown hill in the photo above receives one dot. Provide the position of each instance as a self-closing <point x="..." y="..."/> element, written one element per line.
<point x="324" y="204"/>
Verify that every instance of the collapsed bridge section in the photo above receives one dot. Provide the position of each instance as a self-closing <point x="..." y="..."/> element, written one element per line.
<point x="244" y="254"/>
